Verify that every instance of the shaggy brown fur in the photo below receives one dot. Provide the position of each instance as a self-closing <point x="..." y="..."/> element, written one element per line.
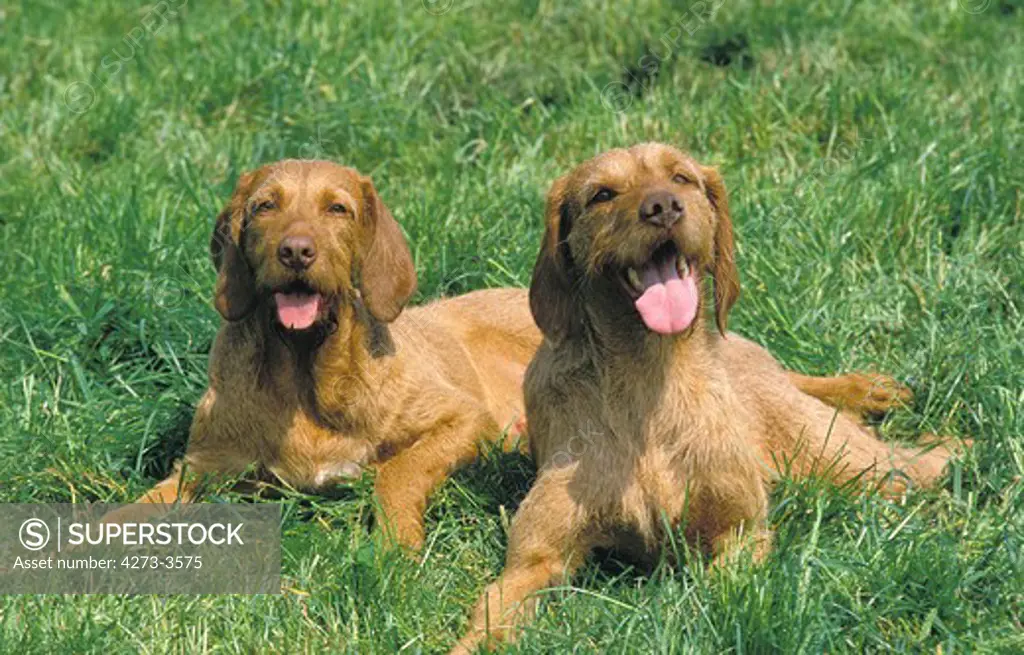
<point x="409" y="395"/>
<point x="630" y="426"/>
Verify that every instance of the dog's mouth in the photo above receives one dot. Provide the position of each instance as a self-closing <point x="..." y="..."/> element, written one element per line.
<point x="299" y="306"/>
<point x="664" y="290"/>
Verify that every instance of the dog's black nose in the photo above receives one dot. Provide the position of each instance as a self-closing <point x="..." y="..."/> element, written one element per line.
<point x="297" y="252"/>
<point x="661" y="208"/>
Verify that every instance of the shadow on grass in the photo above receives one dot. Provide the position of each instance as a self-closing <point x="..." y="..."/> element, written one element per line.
<point x="157" y="461"/>
<point x="497" y="480"/>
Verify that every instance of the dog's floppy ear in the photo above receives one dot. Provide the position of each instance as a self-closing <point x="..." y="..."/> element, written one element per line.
<point x="387" y="278"/>
<point x="555" y="309"/>
<point x="723" y="268"/>
<point x="235" y="292"/>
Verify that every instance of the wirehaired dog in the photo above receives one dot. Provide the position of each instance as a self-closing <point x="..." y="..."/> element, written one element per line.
<point x="316" y="372"/>
<point x="643" y="417"/>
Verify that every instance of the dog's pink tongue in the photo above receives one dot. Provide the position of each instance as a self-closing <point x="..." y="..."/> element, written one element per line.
<point x="297" y="311"/>
<point x="668" y="304"/>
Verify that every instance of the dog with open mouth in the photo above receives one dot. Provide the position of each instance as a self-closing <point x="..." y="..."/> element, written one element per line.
<point x="317" y="373"/>
<point x="642" y="418"/>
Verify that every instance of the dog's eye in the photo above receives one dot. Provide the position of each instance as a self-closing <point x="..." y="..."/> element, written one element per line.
<point x="679" y="178"/>
<point x="337" y="208"/>
<point x="604" y="195"/>
<point x="264" y="206"/>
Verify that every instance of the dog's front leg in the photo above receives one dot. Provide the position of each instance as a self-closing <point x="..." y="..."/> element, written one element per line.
<point x="754" y="538"/>
<point x="404" y="482"/>
<point x="214" y="453"/>
<point x="179" y="487"/>
<point x="549" y="538"/>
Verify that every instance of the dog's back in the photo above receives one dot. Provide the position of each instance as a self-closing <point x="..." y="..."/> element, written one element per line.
<point x="480" y="340"/>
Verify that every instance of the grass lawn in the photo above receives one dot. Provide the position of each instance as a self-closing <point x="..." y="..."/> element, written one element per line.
<point x="873" y="151"/>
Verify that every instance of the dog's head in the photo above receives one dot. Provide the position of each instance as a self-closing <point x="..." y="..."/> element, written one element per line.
<point x="303" y="237"/>
<point x="637" y="231"/>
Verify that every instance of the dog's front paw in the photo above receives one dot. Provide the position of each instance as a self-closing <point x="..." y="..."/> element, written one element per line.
<point x="134" y="513"/>
<point x="876" y="393"/>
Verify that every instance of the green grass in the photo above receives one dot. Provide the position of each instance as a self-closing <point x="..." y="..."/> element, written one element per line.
<point x="873" y="151"/>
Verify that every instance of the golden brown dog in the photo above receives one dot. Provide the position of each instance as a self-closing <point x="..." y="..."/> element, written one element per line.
<point x="640" y="415"/>
<point x="314" y="375"/>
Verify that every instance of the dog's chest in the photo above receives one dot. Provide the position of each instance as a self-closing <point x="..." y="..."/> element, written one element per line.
<point x="310" y="456"/>
<point x="683" y="463"/>
<point x="666" y="473"/>
<point x="259" y="402"/>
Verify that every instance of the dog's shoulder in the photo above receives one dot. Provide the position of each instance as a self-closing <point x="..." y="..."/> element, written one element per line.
<point x="563" y="369"/>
